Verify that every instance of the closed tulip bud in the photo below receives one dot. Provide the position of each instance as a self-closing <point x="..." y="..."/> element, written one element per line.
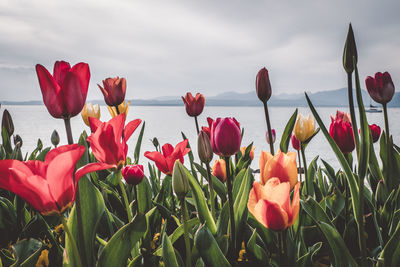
<point x="90" y="110"/>
<point x="219" y="169"/>
<point x="295" y="142"/>
<point x="39" y="144"/>
<point x="194" y="105"/>
<point x="380" y="88"/>
<point x="7" y="122"/>
<point x="55" y="138"/>
<point x="180" y="183"/>
<point x="381" y="193"/>
<point x="155" y="142"/>
<point x="273" y="136"/>
<point x="225" y="136"/>
<point x="251" y="154"/>
<point x="17" y="140"/>
<point x="263" y="85"/>
<point x="204" y="147"/>
<point x="304" y="127"/>
<point x="375" y="132"/>
<point x="350" y="51"/>
<point x="113" y="90"/>
<point x="133" y="174"/>
<point x="341" y="132"/>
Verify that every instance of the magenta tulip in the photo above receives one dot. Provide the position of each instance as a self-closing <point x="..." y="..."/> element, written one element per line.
<point x="380" y="88"/>
<point x="225" y="136"/>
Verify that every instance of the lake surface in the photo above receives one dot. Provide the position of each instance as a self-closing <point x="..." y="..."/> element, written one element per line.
<point x="166" y="123"/>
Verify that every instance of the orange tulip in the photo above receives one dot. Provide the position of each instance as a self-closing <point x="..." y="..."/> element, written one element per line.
<point x="219" y="169"/>
<point x="251" y="154"/>
<point x="270" y="204"/>
<point x="282" y="166"/>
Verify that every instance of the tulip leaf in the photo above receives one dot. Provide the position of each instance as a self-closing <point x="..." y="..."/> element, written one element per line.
<point x="27" y="252"/>
<point x="139" y="144"/>
<point x="237" y="182"/>
<point x="119" y="247"/>
<point x="191" y="157"/>
<point x="240" y="204"/>
<point x="287" y="133"/>
<point x="91" y="209"/>
<point x="351" y="179"/>
<point x="209" y="249"/>
<point x="201" y="203"/>
<point x="257" y="251"/>
<point x="341" y="254"/>
<point x="315" y="211"/>
<point x="168" y="252"/>
<point x="365" y="131"/>
<point x="219" y="187"/>
<point x="144" y="195"/>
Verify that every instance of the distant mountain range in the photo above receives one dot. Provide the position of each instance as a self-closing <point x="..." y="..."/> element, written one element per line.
<point x="332" y="98"/>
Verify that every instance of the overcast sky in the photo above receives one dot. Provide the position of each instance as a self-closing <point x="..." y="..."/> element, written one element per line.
<point x="169" y="47"/>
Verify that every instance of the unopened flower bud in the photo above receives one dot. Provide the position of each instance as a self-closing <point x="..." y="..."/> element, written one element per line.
<point x="204" y="147"/>
<point x="7" y="122"/>
<point x="180" y="183"/>
<point x="273" y="133"/>
<point x="17" y="140"/>
<point x="55" y="138"/>
<point x="263" y="85"/>
<point x="133" y="174"/>
<point x="350" y="51"/>
<point x="39" y="144"/>
<point x="155" y="142"/>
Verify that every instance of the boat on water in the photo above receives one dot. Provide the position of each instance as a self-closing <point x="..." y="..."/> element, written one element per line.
<point x="373" y="109"/>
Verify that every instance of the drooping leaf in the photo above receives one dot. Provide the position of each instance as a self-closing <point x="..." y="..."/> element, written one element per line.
<point x="287" y="133"/>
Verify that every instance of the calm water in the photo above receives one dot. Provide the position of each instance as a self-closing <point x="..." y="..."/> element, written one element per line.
<point x="166" y="123"/>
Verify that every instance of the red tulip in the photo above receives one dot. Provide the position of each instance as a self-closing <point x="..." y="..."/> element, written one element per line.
<point x="165" y="161"/>
<point x="47" y="186"/>
<point x="380" y="88"/>
<point x="194" y="105"/>
<point x="270" y="204"/>
<point x="207" y="130"/>
<point x="113" y="90"/>
<point x="64" y="93"/>
<point x="342" y="132"/>
<point x="225" y="136"/>
<point x="263" y="85"/>
<point x="108" y="140"/>
<point x="375" y="132"/>
<point x="273" y="133"/>
<point x="133" y="174"/>
<point x="295" y="142"/>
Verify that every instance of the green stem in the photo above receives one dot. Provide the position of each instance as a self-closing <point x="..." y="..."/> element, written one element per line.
<point x="136" y="198"/>
<point x="230" y="199"/>
<point x="197" y="125"/>
<point x="271" y="144"/>
<point x="361" y="236"/>
<point x="72" y="241"/>
<point x="67" y="122"/>
<point x="388" y="144"/>
<point x="125" y="197"/>
<point x="211" y="188"/>
<point x="117" y="109"/>
<point x="385" y="114"/>
<point x="352" y="112"/>
<point x="299" y="158"/>
<point x="305" y="168"/>
<point x="186" y="232"/>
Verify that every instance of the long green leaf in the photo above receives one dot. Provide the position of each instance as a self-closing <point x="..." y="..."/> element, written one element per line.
<point x="209" y="249"/>
<point x="342" y="160"/>
<point x="240" y="204"/>
<point x="168" y="252"/>
<point x="340" y="252"/>
<point x="139" y="144"/>
<point x="287" y="133"/>
<point x="314" y="210"/>
<point x="118" y="249"/>
<point x="257" y="251"/>
<point x="201" y="203"/>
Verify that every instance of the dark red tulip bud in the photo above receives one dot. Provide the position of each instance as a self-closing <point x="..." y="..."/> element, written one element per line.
<point x="295" y="142"/>
<point x="64" y="92"/>
<point x="133" y="174"/>
<point x="113" y="90"/>
<point x="350" y="51"/>
<point x="55" y="138"/>
<point x="204" y="147"/>
<point x="342" y="132"/>
<point x="7" y="122"/>
<point x="380" y="88"/>
<point x="375" y="132"/>
<point x="225" y="136"/>
<point x="194" y="105"/>
<point x="263" y="85"/>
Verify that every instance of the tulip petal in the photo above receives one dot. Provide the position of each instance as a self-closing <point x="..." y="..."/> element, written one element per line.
<point x="167" y="149"/>
<point x="283" y="167"/>
<point x="60" y="71"/>
<point x="130" y="128"/>
<point x="50" y="92"/>
<point x="61" y="149"/>
<point x="276" y="217"/>
<point x="159" y="159"/>
<point x="264" y="158"/>
<point x="294" y="206"/>
<point x="94" y="123"/>
<point x="60" y="174"/>
<point x="91" y="167"/>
